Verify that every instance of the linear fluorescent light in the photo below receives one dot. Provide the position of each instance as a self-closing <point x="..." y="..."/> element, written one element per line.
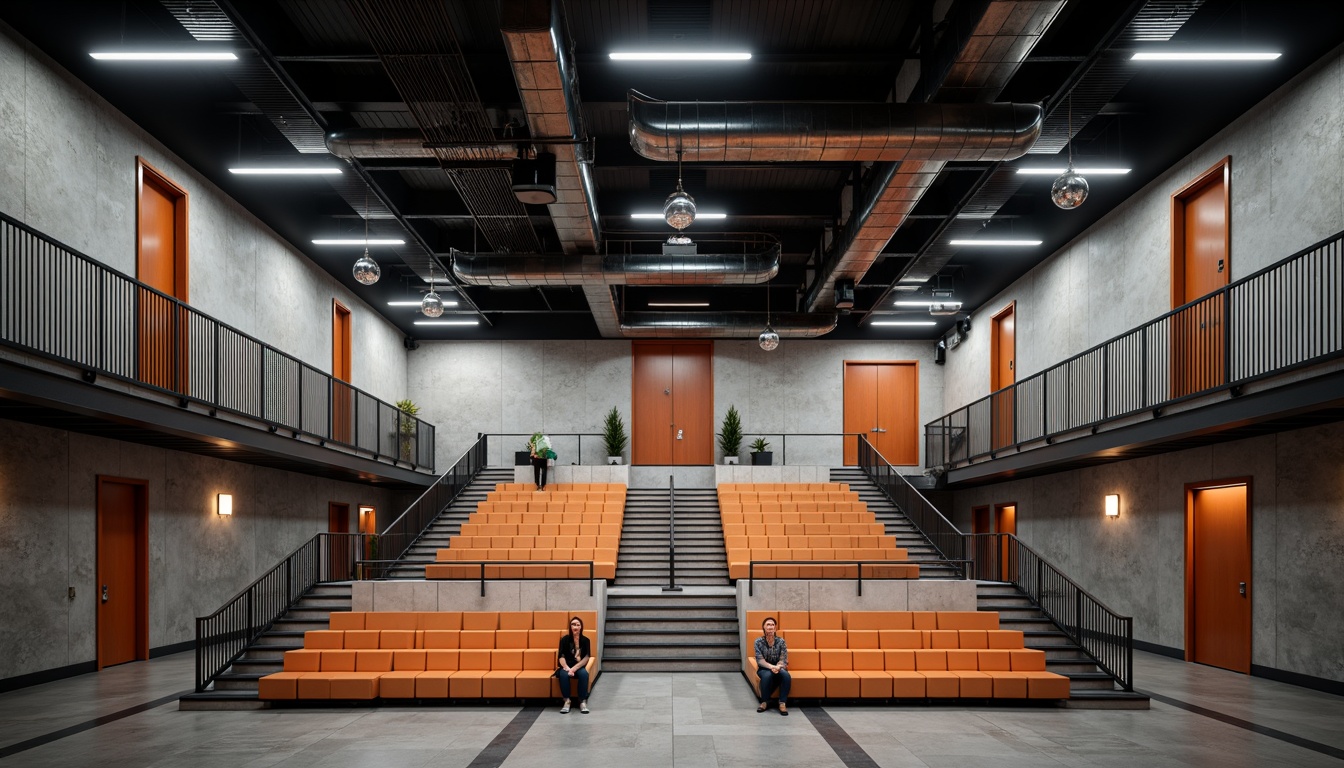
<point x="164" y="56"/>
<point x="1204" y="56"/>
<point x="678" y="303"/>
<point x="447" y="322"/>
<point x="699" y="215"/>
<point x="926" y="303"/>
<point x="904" y="322"/>
<point x="417" y="304"/>
<point x="996" y="243"/>
<point x="285" y="171"/>
<point x="1083" y="171"/>
<point x="359" y="241"/>
<point x="679" y="56"/>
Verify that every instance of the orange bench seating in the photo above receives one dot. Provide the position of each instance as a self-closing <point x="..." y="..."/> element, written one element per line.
<point x="906" y="654"/>
<point x="428" y="655"/>
<point x="729" y="487"/>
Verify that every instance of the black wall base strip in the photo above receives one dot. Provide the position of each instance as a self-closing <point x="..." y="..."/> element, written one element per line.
<point x="47" y="738"/>
<point x="846" y="748"/>
<point x="1263" y="730"/>
<point x="497" y="751"/>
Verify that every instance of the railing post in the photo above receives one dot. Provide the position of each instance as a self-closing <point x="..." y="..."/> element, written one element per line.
<point x="1227" y="335"/>
<point x="672" y="535"/>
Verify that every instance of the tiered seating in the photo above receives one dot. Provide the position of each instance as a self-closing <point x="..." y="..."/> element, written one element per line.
<point x="806" y="521"/>
<point x="430" y="655"/>
<point x="569" y="521"/>
<point x="906" y="655"/>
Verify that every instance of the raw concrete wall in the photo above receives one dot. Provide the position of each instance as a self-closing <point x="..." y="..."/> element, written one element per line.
<point x="68" y="169"/>
<point x="197" y="559"/>
<point x="1136" y="563"/>
<point x="1287" y="170"/>
<point x="466" y="388"/>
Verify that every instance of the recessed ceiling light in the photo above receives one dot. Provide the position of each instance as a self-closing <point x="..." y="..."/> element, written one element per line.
<point x="698" y="215"/>
<point x="905" y="322"/>
<point x="285" y="171"/>
<point x="680" y="56"/>
<point x="996" y="243"/>
<point x="447" y="322"/>
<point x="416" y="304"/>
<point x="164" y="56"/>
<point x="1083" y="171"/>
<point x="358" y="241"/>
<point x="678" y="303"/>
<point x="1204" y="56"/>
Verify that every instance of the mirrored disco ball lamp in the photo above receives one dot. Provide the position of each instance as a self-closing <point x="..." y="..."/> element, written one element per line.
<point x="431" y="305"/>
<point x="769" y="340"/>
<point x="679" y="209"/>
<point x="1069" y="190"/>
<point x="367" y="271"/>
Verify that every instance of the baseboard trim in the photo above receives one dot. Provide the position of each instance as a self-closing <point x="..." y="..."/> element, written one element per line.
<point x="1160" y="650"/>
<point x="1322" y="684"/>
<point x="83" y="668"/>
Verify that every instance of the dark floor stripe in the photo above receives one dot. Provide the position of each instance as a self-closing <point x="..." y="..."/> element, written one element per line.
<point x="1263" y="730"/>
<point x="845" y="747"/>
<point x="497" y="751"/>
<point x="47" y="738"/>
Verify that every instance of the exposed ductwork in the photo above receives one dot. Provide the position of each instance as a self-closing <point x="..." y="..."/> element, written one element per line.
<point x="796" y="132"/>
<point x="409" y="143"/>
<point x="718" y="325"/>
<point x="508" y="270"/>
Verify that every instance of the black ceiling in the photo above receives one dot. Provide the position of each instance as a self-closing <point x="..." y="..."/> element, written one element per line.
<point x="316" y="56"/>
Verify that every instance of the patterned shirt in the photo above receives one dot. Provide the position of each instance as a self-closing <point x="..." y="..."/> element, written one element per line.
<point x="777" y="654"/>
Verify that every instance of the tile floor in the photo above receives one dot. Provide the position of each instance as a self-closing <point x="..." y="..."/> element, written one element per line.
<point x="687" y="720"/>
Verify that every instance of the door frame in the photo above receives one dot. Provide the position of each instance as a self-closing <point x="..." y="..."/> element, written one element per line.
<point x="1190" y="490"/>
<point x="141" y="513"/>
<point x="1220" y="171"/>
<point x="637" y="421"/>
<point x="146" y="172"/>
<point x="844" y="376"/>
<point x="994" y="351"/>
<point x="1003" y="407"/>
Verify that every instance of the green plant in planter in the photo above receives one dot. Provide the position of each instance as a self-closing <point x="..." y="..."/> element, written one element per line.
<point x="613" y="433"/>
<point x="759" y="445"/>
<point x="730" y="435"/>
<point x="406" y="431"/>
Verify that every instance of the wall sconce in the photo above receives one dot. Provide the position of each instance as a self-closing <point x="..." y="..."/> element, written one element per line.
<point x="1112" y="505"/>
<point x="224" y="504"/>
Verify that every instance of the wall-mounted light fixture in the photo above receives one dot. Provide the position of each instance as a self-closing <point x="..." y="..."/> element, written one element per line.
<point x="1112" y="505"/>
<point x="224" y="504"/>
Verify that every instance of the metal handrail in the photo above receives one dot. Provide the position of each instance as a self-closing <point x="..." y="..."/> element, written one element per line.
<point x="592" y="569"/>
<point x="751" y="570"/>
<point x="552" y="435"/>
<point x="134" y="333"/>
<point x="402" y="534"/>
<point x="945" y="537"/>
<point x="224" y="635"/>
<point x="672" y="535"/>
<point x="1281" y="318"/>
<point x="1103" y="634"/>
<point x="784" y="440"/>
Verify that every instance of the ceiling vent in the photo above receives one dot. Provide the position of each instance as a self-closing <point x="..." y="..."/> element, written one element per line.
<point x="534" y="180"/>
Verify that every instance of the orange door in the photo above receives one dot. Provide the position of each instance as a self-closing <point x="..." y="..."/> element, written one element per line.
<point x="672" y="403"/>
<point x="1200" y="266"/>
<point x="122" y="592"/>
<point x="342" y="396"/>
<point x="338" y="547"/>
<point x="161" y="264"/>
<point x="1221" y="574"/>
<point x="1005" y="521"/>
<point x="1003" y="373"/>
<point x="882" y="403"/>
<point x="368" y="525"/>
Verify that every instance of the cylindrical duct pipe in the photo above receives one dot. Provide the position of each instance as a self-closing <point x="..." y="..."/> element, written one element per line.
<point x="721" y="325"/>
<point x="529" y="270"/>
<point x="408" y="143"/>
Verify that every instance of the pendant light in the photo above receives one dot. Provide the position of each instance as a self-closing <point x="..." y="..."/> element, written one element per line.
<point x="431" y="305"/>
<point x="769" y="340"/>
<point x="679" y="207"/>
<point x="367" y="271"/>
<point x="1069" y="190"/>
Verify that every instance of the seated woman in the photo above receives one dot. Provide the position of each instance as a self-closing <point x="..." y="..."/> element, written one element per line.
<point x="772" y="666"/>
<point x="575" y="650"/>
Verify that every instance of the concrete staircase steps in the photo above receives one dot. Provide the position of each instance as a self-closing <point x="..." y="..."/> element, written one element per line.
<point x="918" y="548"/>
<point x="654" y="631"/>
<point x="448" y="524"/>
<point x="644" y="558"/>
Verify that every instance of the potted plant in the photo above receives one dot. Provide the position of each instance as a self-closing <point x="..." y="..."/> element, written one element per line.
<point x="760" y="453"/>
<point x="613" y="436"/>
<point x="406" y="429"/>
<point x="730" y="435"/>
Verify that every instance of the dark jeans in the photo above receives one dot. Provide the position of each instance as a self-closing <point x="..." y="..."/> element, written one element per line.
<point x="771" y="680"/>
<point x="539" y="472"/>
<point x="581" y="675"/>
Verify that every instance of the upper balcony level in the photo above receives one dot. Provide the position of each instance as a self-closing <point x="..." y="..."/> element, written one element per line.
<point x="1260" y="355"/>
<point x="86" y="348"/>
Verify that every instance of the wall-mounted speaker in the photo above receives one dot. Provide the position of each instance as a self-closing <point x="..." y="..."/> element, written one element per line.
<point x="534" y="180"/>
<point x="844" y="295"/>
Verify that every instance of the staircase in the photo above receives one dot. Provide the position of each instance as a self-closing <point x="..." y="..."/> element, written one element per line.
<point x="236" y="687"/>
<point x="648" y="630"/>
<point x="448" y="523"/>
<point x="643" y="556"/>
<point x="1089" y="686"/>
<point x="920" y="551"/>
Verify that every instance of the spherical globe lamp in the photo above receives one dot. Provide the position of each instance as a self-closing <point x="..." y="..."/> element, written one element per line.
<point x="1069" y="190"/>
<point x="366" y="269"/>
<point x="769" y="340"/>
<point x="431" y="305"/>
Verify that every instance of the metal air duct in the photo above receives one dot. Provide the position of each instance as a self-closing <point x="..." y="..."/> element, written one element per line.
<point x="409" y="143"/>
<point x="604" y="270"/>
<point x="721" y="325"/>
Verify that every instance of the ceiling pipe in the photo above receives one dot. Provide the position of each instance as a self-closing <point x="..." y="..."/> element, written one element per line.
<point x="409" y="143"/>
<point x="722" y="325"/>
<point x="603" y="270"/>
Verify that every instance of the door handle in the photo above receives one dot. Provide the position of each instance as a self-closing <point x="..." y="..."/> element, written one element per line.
<point x="679" y="434"/>
<point x="1241" y="587"/>
<point x="879" y="429"/>
<point x="104" y="593"/>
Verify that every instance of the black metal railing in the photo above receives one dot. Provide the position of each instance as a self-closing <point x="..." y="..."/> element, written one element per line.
<point x="59" y="304"/>
<point x="222" y="636"/>
<point x="397" y="538"/>
<point x="941" y="533"/>
<point x="561" y="442"/>
<point x="1284" y="317"/>
<point x="517" y="570"/>
<point x="671" y="535"/>
<point x="873" y="566"/>
<point x="1106" y="636"/>
<point x="784" y="442"/>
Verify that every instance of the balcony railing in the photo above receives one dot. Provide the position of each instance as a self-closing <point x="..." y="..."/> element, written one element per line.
<point x="941" y="533"/>
<point x="1282" y="318"/>
<point x="59" y="304"/>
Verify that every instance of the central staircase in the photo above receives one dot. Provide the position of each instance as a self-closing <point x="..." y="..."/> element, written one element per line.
<point x="448" y="523"/>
